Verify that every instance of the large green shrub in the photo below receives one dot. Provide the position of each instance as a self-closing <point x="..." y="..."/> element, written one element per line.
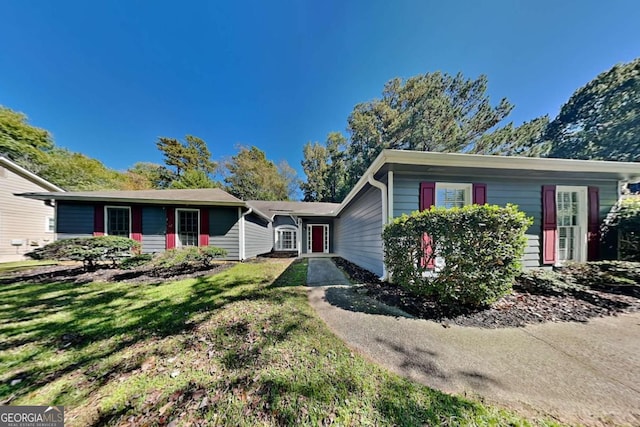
<point x="89" y="250"/>
<point x="476" y="249"/>
<point x="624" y="220"/>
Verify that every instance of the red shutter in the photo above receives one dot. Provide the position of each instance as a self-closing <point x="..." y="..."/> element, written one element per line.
<point x="171" y="228"/>
<point x="593" y="220"/>
<point x="427" y="199"/>
<point x="204" y="227"/>
<point x="98" y="220"/>
<point x="427" y="195"/>
<point x="549" y="225"/>
<point x="136" y="223"/>
<point x="479" y="194"/>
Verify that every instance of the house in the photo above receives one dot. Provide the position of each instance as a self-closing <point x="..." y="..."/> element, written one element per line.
<point x="568" y="200"/>
<point x="24" y="224"/>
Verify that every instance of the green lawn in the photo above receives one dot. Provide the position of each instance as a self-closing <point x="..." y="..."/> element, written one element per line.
<point x="242" y="347"/>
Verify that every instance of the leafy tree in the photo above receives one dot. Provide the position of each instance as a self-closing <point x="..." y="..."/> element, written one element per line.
<point x="193" y="179"/>
<point x="602" y="119"/>
<point x="77" y="172"/>
<point x="524" y="140"/>
<point x="325" y="168"/>
<point x="430" y="112"/>
<point x="23" y="143"/>
<point x="289" y="175"/>
<point x="192" y="154"/>
<point x="251" y="176"/>
<point x="150" y="175"/>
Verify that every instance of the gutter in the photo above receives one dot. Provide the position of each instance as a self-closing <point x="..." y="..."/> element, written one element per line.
<point x="383" y="193"/>
<point x="242" y="242"/>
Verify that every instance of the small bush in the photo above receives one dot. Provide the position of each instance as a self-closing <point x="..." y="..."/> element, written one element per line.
<point x="624" y="221"/>
<point x="89" y="250"/>
<point x="136" y="261"/>
<point x="476" y="249"/>
<point x="189" y="256"/>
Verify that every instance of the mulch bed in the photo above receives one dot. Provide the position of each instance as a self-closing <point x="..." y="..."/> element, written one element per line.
<point x="529" y="303"/>
<point x="105" y="273"/>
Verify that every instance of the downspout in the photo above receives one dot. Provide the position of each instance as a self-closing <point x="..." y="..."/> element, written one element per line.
<point x="242" y="242"/>
<point x="383" y="192"/>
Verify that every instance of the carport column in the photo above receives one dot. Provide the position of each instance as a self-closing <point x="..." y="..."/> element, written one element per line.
<point x="383" y="193"/>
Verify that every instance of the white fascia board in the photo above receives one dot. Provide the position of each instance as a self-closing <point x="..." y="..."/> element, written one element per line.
<point x="32" y="176"/>
<point x="624" y="170"/>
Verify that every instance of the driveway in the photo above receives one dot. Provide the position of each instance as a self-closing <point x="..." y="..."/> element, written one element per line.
<point x="586" y="373"/>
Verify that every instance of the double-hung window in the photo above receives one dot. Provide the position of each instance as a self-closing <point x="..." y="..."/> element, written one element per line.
<point x="188" y="227"/>
<point x="286" y="238"/>
<point x="118" y="221"/>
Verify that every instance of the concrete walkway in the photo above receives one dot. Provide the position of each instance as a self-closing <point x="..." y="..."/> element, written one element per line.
<point x="586" y="373"/>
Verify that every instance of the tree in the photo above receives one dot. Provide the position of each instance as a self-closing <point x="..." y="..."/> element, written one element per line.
<point x="77" y="172"/>
<point x="601" y="120"/>
<point x="430" y="112"/>
<point x="23" y="143"/>
<point x="192" y="154"/>
<point x="151" y="175"/>
<point x="251" y="176"/>
<point x="325" y="168"/>
<point x="289" y="175"/>
<point x="524" y="140"/>
<point x="192" y="178"/>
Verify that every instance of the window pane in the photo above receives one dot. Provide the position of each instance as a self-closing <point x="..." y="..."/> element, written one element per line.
<point x="188" y="227"/>
<point x="118" y="222"/>
<point x="450" y="197"/>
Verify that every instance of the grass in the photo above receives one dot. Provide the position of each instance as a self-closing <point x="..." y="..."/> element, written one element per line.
<point x="242" y="347"/>
<point x="11" y="267"/>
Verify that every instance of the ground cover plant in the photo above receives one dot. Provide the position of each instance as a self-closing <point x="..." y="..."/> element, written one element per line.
<point x="574" y="293"/>
<point x="239" y="347"/>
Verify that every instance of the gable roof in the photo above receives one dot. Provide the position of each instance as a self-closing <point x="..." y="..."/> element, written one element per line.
<point x="272" y="208"/>
<point x="201" y="196"/>
<point x="19" y="170"/>
<point x="392" y="159"/>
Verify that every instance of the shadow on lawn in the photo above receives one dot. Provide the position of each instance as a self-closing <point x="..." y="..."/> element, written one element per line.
<point x="68" y="317"/>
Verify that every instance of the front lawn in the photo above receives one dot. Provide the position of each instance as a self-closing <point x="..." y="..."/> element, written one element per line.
<point x="242" y="347"/>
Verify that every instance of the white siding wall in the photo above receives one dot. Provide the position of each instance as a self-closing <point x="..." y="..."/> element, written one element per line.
<point x="20" y="218"/>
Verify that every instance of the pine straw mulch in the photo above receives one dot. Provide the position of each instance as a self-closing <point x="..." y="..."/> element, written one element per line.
<point x="574" y="293"/>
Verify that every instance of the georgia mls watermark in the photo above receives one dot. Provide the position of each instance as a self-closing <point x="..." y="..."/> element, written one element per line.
<point x="31" y="416"/>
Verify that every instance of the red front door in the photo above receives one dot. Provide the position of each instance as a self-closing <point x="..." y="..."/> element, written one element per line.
<point x="317" y="239"/>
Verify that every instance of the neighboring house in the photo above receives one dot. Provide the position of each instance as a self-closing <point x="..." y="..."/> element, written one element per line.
<point x="568" y="200"/>
<point x="24" y="224"/>
<point x="165" y="219"/>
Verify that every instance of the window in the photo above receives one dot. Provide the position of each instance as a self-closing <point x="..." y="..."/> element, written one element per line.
<point x="50" y="224"/>
<point x="118" y="221"/>
<point x="188" y="229"/>
<point x="286" y="238"/>
<point x="451" y="195"/>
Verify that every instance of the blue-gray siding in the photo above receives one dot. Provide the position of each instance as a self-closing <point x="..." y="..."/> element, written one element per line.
<point x="224" y="230"/>
<point x="358" y="231"/>
<point x="154" y="229"/>
<point x="258" y="236"/>
<point x="526" y="193"/>
<point x="74" y="220"/>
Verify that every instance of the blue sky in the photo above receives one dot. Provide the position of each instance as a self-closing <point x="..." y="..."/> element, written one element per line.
<point x="108" y="78"/>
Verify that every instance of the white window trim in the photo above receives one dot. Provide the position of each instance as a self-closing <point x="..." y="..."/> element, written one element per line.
<point x="467" y="187"/>
<point x="178" y="210"/>
<point x="278" y="243"/>
<point x="325" y="237"/>
<point x="583" y="205"/>
<point x="106" y="217"/>
<point x="47" y="222"/>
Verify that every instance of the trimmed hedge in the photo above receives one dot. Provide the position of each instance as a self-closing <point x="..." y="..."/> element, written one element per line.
<point x="624" y="219"/>
<point x="189" y="256"/>
<point x="476" y="249"/>
<point x="89" y="250"/>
